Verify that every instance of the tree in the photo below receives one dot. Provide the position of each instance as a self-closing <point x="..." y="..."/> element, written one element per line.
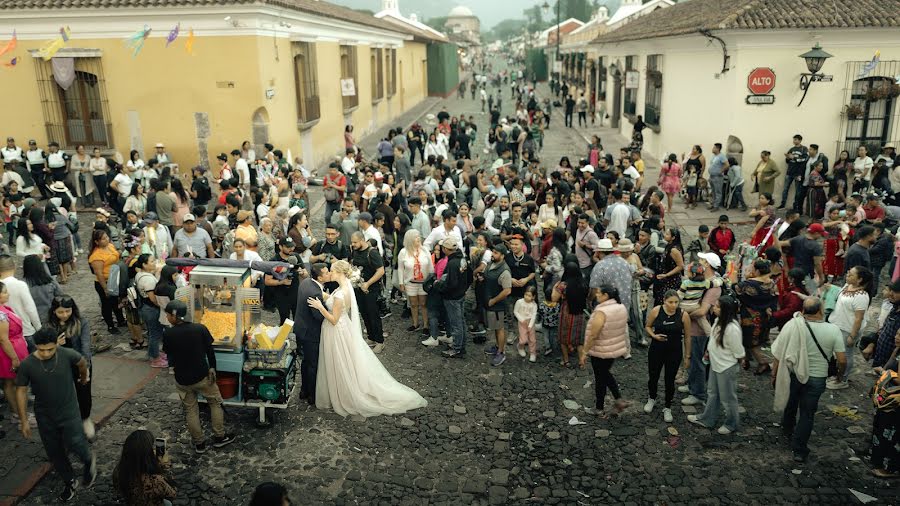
<point x="505" y="30"/>
<point x="535" y="18"/>
<point x="578" y="9"/>
<point x="437" y="23"/>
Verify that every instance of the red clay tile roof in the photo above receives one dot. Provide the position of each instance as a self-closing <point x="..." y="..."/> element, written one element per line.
<point x="318" y="7"/>
<point x="694" y="16"/>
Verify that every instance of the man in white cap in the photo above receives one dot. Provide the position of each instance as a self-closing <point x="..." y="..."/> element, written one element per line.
<point x="613" y="270"/>
<point x="162" y="158"/>
<point x="696" y="379"/>
<point x="191" y="239"/>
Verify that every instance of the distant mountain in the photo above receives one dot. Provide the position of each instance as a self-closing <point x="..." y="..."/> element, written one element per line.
<point x="489" y="12"/>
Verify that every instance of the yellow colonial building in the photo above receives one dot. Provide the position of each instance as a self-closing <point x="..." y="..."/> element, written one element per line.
<point x="288" y="72"/>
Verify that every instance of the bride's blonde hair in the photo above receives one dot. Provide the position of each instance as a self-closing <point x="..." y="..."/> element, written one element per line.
<point x="342" y="267"/>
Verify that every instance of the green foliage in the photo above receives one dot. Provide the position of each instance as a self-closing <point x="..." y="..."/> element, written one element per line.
<point x="578" y="9"/>
<point x="437" y="23"/>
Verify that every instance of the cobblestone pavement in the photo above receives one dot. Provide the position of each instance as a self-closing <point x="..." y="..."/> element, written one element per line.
<point x="520" y="432"/>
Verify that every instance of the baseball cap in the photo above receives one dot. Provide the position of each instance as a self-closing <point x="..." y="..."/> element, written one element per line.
<point x="711" y="258"/>
<point x="223" y="157"/>
<point x="176" y="308"/>
<point x="367" y="217"/>
<point x="588" y="168"/>
<point x="189" y="217"/>
<point x="450" y="243"/>
<point x="287" y="242"/>
<point x="816" y="228"/>
<point x="151" y="216"/>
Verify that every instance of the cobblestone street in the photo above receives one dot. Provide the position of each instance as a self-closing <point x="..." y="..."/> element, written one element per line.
<point x="506" y="435"/>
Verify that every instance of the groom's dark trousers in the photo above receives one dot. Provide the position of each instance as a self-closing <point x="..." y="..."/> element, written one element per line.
<point x="308" y="331"/>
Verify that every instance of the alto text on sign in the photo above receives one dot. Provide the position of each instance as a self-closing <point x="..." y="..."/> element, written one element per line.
<point x="761" y="81"/>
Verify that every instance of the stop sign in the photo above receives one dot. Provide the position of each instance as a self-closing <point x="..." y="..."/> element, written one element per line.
<point x="761" y="81"/>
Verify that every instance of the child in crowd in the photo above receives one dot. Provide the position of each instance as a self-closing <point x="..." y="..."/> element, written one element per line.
<point x="698" y="245"/>
<point x="722" y="239"/>
<point x="549" y="313"/>
<point x="692" y="289"/>
<point x="11" y="214"/>
<point x="526" y="310"/>
<point x="221" y="215"/>
<point x="690" y="183"/>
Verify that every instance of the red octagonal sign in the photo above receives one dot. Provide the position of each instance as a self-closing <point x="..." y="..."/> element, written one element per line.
<point x="761" y="81"/>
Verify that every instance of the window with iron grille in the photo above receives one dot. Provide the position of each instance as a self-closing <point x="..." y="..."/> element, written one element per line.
<point x="348" y="71"/>
<point x="79" y="114"/>
<point x="392" y="72"/>
<point x="377" y="73"/>
<point x="871" y="114"/>
<point x="653" y="98"/>
<point x="630" y="102"/>
<point x="306" y="81"/>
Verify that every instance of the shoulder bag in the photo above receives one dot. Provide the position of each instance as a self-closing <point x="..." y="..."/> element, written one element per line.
<point x="832" y="362"/>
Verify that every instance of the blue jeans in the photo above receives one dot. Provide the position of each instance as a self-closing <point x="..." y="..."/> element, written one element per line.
<point x="435" y="307"/>
<point x="456" y="323"/>
<point x="722" y="392"/>
<point x="805" y="398"/>
<point x="551" y="333"/>
<point x="789" y="178"/>
<point x="696" y="379"/>
<point x="150" y="315"/>
<point x="715" y="186"/>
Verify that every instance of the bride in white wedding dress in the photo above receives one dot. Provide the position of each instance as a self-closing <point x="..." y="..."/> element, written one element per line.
<point x="351" y="380"/>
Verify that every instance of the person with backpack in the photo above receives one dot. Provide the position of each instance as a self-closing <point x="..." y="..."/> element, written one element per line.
<point x="200" y="190"/>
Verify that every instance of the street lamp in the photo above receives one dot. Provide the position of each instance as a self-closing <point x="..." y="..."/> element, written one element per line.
<point x="815" y="60"/>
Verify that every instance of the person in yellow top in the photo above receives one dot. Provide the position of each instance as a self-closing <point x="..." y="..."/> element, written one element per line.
<point x="637" y="162"/>
<point x="245" y="230"/>
<point x="766" y="173"/>
<point x="102" y="257"/>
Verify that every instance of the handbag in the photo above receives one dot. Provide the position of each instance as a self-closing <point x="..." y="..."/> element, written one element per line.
<point x="886" y="392"/>
<point x="832" y="362"/>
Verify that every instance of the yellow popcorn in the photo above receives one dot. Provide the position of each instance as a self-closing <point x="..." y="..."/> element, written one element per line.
<point x="220" y="325"/>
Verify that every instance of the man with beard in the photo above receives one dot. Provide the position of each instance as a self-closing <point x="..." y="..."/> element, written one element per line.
<point x="284" y="291"/>
<point x="371" y="265"/>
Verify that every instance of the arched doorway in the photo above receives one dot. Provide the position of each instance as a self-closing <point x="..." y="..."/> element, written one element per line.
<point x="260" y="128"/>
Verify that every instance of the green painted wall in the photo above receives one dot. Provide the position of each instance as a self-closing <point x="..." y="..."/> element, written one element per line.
<point x="443" y="69"/>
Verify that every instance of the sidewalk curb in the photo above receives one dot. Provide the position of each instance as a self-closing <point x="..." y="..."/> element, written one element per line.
<point x="37" y="475"/>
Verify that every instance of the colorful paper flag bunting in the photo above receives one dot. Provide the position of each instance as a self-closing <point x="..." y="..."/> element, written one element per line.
<point x="11" y="45"/>
<point x="173" y="34"/>
<point x="51" y="48"/>
<point x="136" y="41"/>
<point x="11" y="63"/>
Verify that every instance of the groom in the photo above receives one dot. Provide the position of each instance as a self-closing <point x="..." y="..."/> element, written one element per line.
<point x="308" y="329"/>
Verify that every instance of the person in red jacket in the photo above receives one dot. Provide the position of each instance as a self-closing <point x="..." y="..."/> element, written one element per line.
<point x="721" y="239"/>
<point x="789" y="302"/>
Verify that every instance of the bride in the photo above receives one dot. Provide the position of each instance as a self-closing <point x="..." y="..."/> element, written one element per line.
<point x="351" y="380"/>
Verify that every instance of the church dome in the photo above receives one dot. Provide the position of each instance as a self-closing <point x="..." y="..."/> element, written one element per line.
<point x="460" y="11"/>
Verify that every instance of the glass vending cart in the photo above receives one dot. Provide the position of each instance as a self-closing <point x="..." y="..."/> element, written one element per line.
<point x="221" y="299"/>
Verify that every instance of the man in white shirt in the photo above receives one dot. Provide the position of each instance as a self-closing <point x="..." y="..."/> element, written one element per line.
<point x="619" y="214"/>
<point x="378" y="186"/>
<point x="162" y="158"/>
<point x="19" y="298"/>
<point x="242" y="168"/>
<point x="369" y="232"/>
<point x="348" y="163"/>
<point x="441" y="232"/>
<point x="11" y="154"/>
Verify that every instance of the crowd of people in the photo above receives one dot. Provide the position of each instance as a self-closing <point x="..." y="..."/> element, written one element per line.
<point x="551" y="262"/>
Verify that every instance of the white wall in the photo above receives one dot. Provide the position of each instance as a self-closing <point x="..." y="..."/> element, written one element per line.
<point x="701" y="107"/>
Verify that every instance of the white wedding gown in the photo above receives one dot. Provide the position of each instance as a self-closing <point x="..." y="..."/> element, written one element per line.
<point x="351" y="380"/>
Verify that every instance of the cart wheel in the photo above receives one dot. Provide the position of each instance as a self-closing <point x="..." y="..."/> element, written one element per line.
<point x="263" y="421"/>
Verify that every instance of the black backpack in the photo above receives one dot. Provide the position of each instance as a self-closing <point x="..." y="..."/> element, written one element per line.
<point x="204" y="192"/>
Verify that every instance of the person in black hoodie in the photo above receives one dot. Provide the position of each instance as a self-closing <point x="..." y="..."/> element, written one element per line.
<point x="880" y="253"/>
<point x="455" y="283"/>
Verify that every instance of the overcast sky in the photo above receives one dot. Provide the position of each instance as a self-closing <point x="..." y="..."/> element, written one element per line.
<point x="490" y="12"/>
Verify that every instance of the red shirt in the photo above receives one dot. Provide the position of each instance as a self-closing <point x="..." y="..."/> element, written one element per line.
<point x="225" y="195"/>
<point x="721" y="239"/>
<point x="874" y="213"/>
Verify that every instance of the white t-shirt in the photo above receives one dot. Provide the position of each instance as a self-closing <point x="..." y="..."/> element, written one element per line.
<point x="125" y="184"/>
<point x="863" y="166"/>
<point x="721" y="358"/>
<point x="348" y="166"/>
<point x="243" y="170"/>
<point x="618" y="219"/>
<point x="372" y="233"/>
<point x="632" y="173"/>
<point x="845" y="308"/>
<point x="372" y="190"/>
<point x="35" y="246"/>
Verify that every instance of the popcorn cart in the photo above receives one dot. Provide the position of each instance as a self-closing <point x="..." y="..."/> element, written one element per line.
<point x="254" y="364"/>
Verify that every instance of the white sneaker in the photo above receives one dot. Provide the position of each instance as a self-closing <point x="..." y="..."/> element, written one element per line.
<point x="89" y="431"/>
<point x="521" y="351"/>
<point x="690" y="401"/>
<point x="648" y="408"/>
<point x="627" y="356"/>
<point x="837" y="385"/>
<point x="445" y="339"/>
<point x="431" y="342"/>
<point x="723" y="430"/>
<point x="532" y="358"/>
<point x="378" y="348"/>
<point x="683" y="389"/>
<point x="510" y="339"/>
<point x="696" y="419"/>
<point x="667" y="415"/>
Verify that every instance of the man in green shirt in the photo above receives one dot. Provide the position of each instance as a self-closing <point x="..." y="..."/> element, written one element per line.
<point x="49" y="373"/>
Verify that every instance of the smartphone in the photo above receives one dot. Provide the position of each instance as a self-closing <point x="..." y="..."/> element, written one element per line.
<point x="160" y="446"/>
